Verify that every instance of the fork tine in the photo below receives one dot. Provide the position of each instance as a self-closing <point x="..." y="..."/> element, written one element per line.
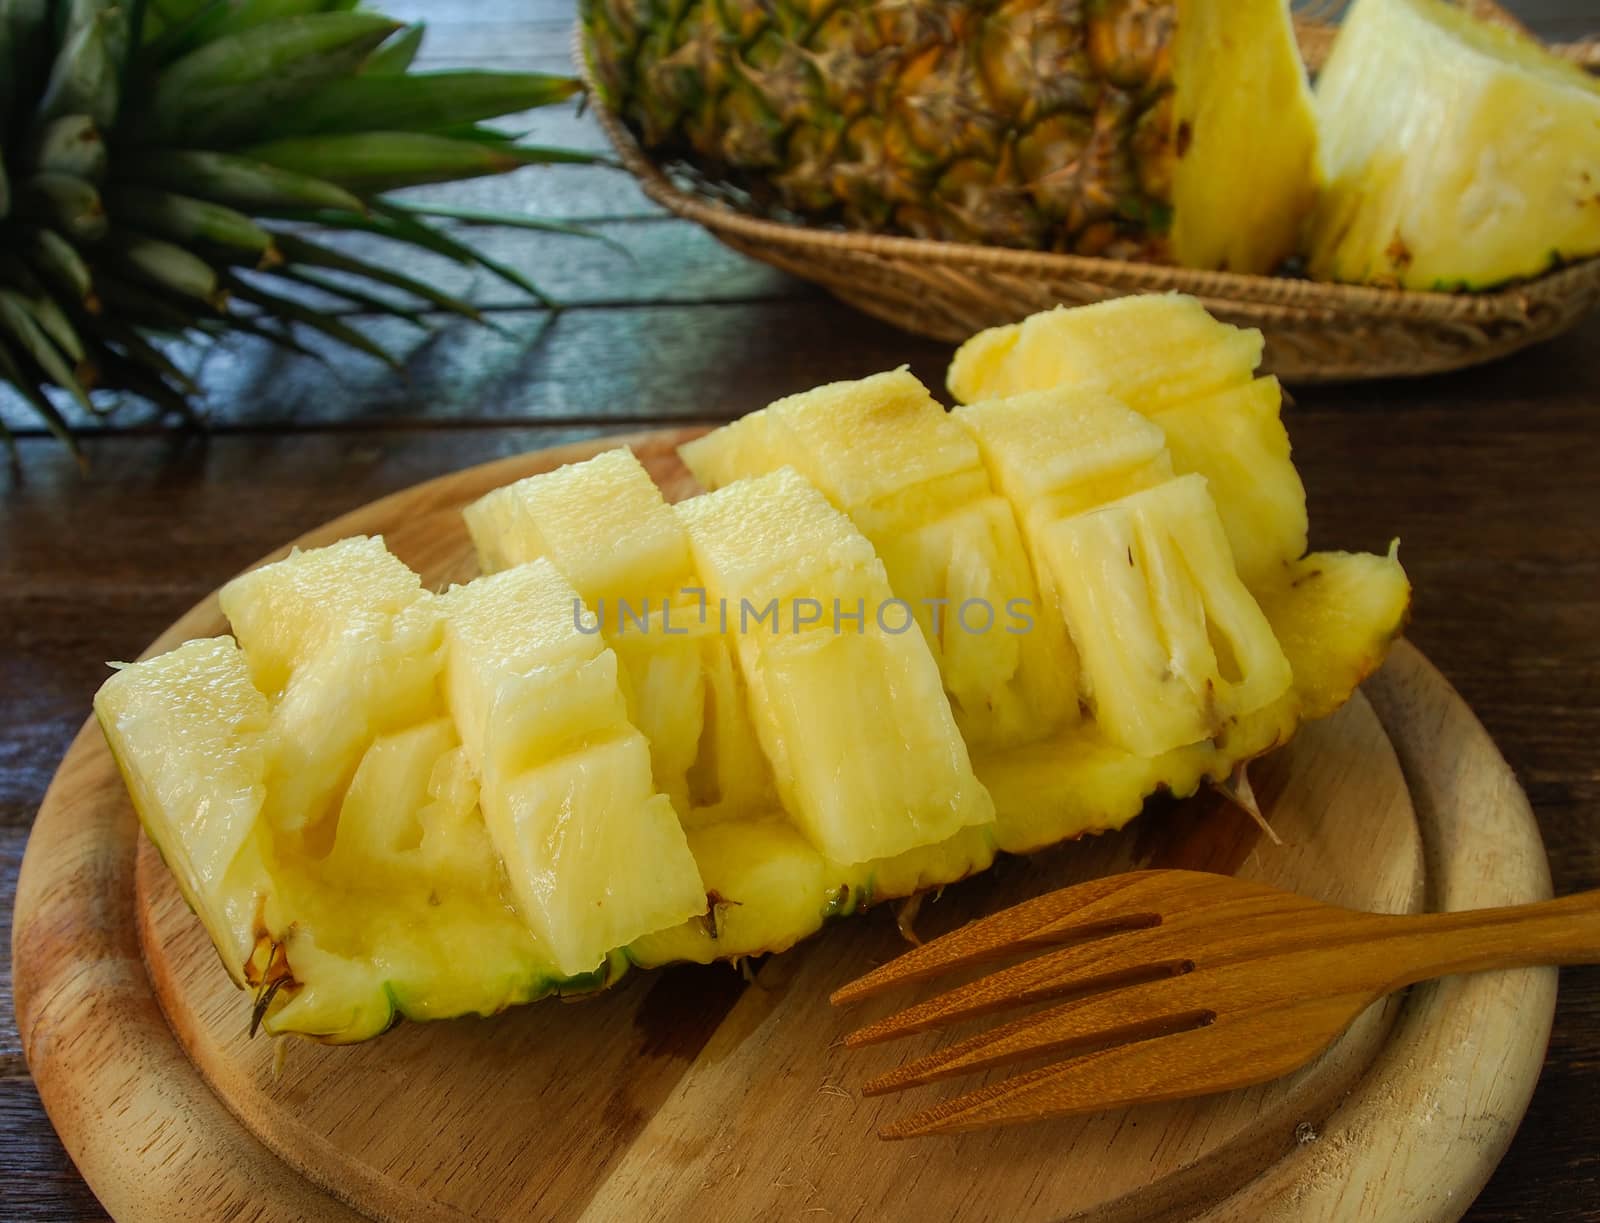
<point x="1086" y="911"/>
<point x="1135" y="1013"/>
<point x="1235" y="1051"/>
<point x="1124" y="959"/>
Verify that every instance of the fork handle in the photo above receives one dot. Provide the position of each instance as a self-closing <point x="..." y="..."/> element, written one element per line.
<point x="1562" y="931"/>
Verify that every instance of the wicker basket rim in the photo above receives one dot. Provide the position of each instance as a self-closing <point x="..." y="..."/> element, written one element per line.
<point x="1516" y="302"/>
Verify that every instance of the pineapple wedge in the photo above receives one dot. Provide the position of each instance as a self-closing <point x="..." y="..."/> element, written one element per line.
<point x="912" y="481"/>
<point x="1166" y="358"/>
<point x="606" y="527"/>
<point x="1457" y="154"/>
<point x="1245" y="136"/>
<point x="848" y="706"/>
<point x="593" y="852"/>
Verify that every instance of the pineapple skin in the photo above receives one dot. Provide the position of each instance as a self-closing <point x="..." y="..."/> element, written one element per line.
<point x="1030" y="124"/>
<point x="1457" y="155"/>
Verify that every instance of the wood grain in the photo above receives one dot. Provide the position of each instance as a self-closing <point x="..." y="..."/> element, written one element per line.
<point x="689" y="1079"/>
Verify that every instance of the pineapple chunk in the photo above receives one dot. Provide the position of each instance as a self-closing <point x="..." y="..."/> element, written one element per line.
<point x="824" y="691"/>
<point x="1151" y="351"/>
<point x="1218" y="422"/>
<point x="189" y="732"/>
<point x="603" y="523"/>
<point x="608" y="530"/>
<point x="346" y="643"/>
<point x="1173" y="645"/>
<point x="1458" y="154"/>
<point x="1058" y="452"/>
<point x="1236" y="440"/>
<point x="1246" y="136"/>
<point x="594" y="854"/>
<point x="912" y="481"/>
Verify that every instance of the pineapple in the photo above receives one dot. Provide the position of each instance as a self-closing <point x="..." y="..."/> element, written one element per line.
<point x="347" y="644"/>
<point x="1458" y="153"/>
<point x="911" y="480"/>
<point x="168" y="167"/>
<point x="384" y="802"/>
<point x="335" y="949"/>
<point x="1126" y="128"/>
<point x="608" y="530"/>
<point x="594" y="853"/>
<point x="851" y="712"/>
<point x="1165" y="357"/>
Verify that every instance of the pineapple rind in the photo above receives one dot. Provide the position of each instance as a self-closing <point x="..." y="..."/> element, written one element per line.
<point x="769" y="889"/>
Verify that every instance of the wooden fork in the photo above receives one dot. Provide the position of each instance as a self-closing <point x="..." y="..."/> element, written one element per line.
<point x="1178" y="983"/>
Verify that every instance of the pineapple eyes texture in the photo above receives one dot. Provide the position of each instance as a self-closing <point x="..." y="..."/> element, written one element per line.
<point x="624" y="745"/>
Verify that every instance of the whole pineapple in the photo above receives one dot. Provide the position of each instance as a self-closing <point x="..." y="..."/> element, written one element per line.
<point x="1082" y="126"/>
<point x="164" y="165"/>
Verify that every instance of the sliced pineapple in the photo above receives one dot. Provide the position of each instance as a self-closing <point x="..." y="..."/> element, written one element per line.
<point x="1457" y="153"/>
<point x="1174" y="647"/>
<point x="1165" y="357"/>
<point x="594" y="853"/>
<point x="912" y="481"/>
<point x="1151" y="351"/>
<point x="394" y="803"/>
<point x="605" y="526"/>
<point x="189" y="732"/>
<point x="345" y="642"/>
<point x="827" y="691"/>
<point x="332" y="948"/>
<point x="1245" y="136"/>
<point x="1236" y="440"/>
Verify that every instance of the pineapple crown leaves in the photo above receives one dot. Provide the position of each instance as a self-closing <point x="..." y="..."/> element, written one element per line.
<point x="168" y="168"/>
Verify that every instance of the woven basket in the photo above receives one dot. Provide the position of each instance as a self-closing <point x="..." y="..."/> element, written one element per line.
<point x="1314" y="332"/>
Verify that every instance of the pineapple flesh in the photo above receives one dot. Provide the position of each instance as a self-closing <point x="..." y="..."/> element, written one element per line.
<point x="1457" y="154"/>
<point x="607" y="529"/>
<point x="847" y="699"/>
<point x="383" y="802"/>
<point x="912" y="481"/>
<point x="1165" y="357"/>
<point x="594" y="853"/>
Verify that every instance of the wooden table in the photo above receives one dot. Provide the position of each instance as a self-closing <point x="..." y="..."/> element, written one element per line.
<point x="1489" y="477"/>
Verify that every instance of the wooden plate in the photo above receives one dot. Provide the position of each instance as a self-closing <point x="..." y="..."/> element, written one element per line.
<point x="689" y="1093"/>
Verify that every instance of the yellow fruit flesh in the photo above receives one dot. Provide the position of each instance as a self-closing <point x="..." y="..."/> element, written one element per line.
<point x="1245" y="136"/>
<point x="1456" y="154"/>
<point x="864" y="751"/>
<point x="1151" y="351"/>
<point x="606" y="527"/>
<point x="594" y="854"/>
<point x="346" y="643"/>
<point x="911" y="480"/>
<point x="501" y="836"/>
<point x="1164" y="357"/>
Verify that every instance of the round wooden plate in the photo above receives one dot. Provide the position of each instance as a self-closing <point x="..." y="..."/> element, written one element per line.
<point x="690" y="1093"/>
